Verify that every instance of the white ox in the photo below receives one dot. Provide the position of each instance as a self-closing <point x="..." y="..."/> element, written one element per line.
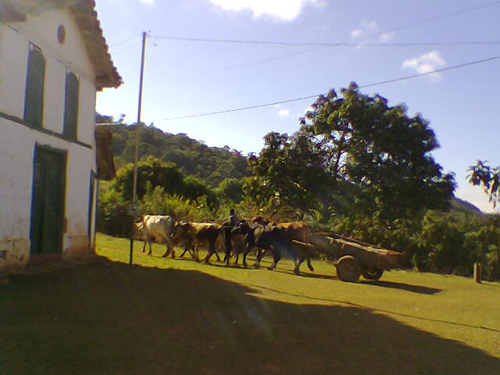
<point x="159" y="228"/>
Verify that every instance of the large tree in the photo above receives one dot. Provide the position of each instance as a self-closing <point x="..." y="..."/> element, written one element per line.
<point x="357" y="146"/>
<point x="289" y="170"/>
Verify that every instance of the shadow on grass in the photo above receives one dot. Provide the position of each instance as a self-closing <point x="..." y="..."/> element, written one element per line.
<point x="329" y="300"/>
<point x="410" y="288"/>
<point x="113" y="318"/>
<point x="302" y="274"/>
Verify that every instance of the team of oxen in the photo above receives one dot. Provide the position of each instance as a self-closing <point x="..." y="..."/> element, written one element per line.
<point x="257" y="235"/>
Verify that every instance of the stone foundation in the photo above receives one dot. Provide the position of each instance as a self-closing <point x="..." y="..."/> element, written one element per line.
<point x="76" y="247"/>
<point x="14" y="254"/>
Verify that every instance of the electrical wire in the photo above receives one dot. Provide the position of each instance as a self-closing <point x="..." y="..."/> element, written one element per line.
<point x="124" y="41"/>
<point x="316" y="95"/>
<point x="125" y="49"/>
<point x="308" y="50"/>
<point x="440" y="17"/>
<point x="338" y="44"/>
<point x="342" y="44"/>
<point x="251" y="63"/>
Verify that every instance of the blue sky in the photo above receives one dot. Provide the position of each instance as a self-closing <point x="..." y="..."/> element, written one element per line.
<point x="186" y="78"/>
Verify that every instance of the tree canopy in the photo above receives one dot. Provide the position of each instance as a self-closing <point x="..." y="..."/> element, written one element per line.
<point x="488" y="178"/>
<point x="356" y="146"/>
<point x="152" y="172"/>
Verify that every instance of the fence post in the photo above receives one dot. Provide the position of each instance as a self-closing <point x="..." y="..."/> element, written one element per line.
<point x="477" y="273"/>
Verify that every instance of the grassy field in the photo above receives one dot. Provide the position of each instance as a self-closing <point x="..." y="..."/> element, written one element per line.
<point x="165" y="316"/>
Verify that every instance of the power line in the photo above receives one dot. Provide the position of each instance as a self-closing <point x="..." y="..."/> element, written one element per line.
<point x="456" y="13"/>
<point x="431" y="72"/>
<point x="135" y="45"/>
<point x="421" y="22"/>
<point x="233" y="67"/>
<point x="125" y="45"/>
<point x="125" y="41"/>
<point x="315" y="44"/>
<point x="316" y="95"/>
<point x="345" y="44"/>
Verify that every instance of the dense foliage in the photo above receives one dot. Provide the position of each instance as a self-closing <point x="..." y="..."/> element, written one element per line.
<point x="488" y="178"/>
<point x="357" y="147"/>
<point x="152" y="172"/>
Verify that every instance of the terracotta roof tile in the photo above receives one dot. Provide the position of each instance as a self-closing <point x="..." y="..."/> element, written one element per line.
<point x="97" y="48"/>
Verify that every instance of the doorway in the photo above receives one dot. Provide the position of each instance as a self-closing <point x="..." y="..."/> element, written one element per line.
<point x="47" y="207"/>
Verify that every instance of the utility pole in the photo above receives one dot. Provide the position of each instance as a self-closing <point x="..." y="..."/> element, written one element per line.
<point x="134" y="208"/>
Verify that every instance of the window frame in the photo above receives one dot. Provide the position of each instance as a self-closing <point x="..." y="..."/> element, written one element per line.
<point x="71" y="106"/>
<point x="35" y="88"/>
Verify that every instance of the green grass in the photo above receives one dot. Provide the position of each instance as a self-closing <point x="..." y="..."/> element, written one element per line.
<point x="164" y="316"/>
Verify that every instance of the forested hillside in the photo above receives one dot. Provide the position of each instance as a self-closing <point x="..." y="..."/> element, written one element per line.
<point x="460" y="205"/>
<point x="193" y="158"/>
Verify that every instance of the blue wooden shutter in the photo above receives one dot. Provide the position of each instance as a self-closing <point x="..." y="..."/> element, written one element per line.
<point x="71" y="106"/>
<point x="33" y="102"/>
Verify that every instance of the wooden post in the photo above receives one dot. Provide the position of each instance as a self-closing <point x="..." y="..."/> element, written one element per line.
<point x="477" y="273"/>
<point x="134" y="205"/>
<point x="131" y="254"/>
<point x="138" y="124"/>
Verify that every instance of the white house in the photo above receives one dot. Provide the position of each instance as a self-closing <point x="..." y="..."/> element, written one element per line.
<point x="53" y="59"/>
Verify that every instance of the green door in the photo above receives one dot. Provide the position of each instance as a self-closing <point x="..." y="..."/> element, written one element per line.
<point x="47" y="210"/>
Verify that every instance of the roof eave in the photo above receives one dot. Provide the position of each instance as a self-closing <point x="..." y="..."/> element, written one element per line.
<point x="86" y="18"/>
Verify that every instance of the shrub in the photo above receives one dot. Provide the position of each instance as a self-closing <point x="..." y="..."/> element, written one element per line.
<point x="112" y="214"/>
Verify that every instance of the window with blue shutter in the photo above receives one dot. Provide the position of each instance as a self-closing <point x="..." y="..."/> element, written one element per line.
<point x="33" y="101"/>
<point x="71" y="106"/>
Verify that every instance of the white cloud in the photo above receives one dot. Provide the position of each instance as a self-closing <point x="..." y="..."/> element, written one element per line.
<point x="426" y="63"/>
<point x="355" y="34"/>
<point x="284" y="112"/>
<point x="367" y="27"/>
<point x="149" y="2"/>
<point x="286" y="10"/>
<point x="385" y="37"/>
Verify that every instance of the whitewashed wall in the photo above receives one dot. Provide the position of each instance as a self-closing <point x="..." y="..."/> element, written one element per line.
<point x="13" y="67"/>
<point x="18" y="141"/>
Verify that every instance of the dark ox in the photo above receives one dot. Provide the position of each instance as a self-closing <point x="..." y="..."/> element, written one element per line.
<point x="280" y="240"/>
<point x="238" y="245"/>
<point x="296" y="230"/>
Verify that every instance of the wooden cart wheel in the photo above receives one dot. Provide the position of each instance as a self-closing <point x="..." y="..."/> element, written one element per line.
<point x="348" y="268"/>
<point x="372" y="273"/>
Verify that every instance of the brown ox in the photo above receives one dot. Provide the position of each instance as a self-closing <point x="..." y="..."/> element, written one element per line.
<point x="296" y="231"/>
<point x="194" y="235"/>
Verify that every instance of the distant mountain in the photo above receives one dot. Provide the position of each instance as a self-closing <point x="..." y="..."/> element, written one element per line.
<point x="212" y="164"/>
<point x="460" y="205"/>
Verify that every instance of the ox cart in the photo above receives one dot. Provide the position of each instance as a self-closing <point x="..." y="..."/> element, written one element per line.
<point x="355" y="258"/>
